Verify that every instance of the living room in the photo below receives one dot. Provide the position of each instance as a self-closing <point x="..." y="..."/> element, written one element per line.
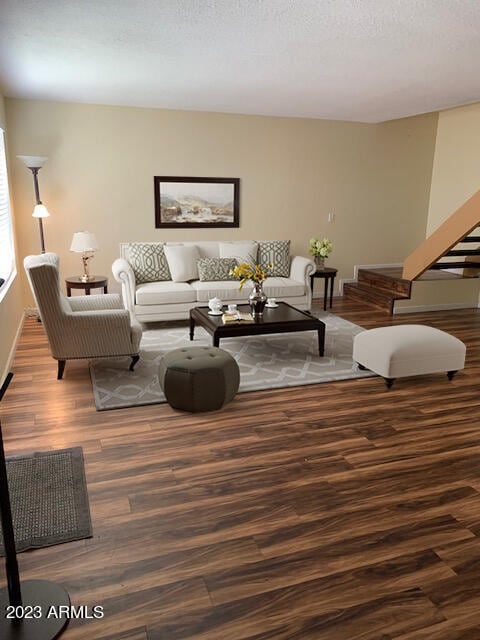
<point x="390" y="177"/>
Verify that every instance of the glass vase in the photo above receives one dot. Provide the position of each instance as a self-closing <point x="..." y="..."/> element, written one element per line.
<point x="257" y="299"/>
<point x="320" y="263"/>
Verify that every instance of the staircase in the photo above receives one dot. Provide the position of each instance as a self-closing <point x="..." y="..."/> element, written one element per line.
<point x="378" y="288"/>
<point x="454" y="239"/>
<point x="471" y="252"/>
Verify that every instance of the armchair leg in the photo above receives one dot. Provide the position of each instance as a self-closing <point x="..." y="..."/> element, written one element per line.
<point x="135" y="359"/>
<point x="61" y="369"/>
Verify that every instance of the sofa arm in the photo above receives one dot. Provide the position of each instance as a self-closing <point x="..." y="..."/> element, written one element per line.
<point x="95" y="303"/>
<point x="123" y="273"/>
<point x="301" y="269"/>
<point x="96" y="334"/>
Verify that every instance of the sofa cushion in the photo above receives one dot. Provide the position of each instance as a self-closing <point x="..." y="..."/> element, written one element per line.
<point x="216" y="269"/>
<point x="277" y="253"/>
<point x="164" y="292"/>
<point x="148" y="261"/>
<point x="182" y="261"/>
<point x="276" y="287"/>
<point x="242" y="251"/>
<point x="228" y="291"/>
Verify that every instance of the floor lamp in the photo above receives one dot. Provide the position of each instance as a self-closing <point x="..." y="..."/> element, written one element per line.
<point x="35" y="163"/>
<point x="41" y="595"/>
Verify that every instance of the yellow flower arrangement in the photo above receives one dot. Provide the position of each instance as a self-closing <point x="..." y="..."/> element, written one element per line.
<point x="250" y="271"/>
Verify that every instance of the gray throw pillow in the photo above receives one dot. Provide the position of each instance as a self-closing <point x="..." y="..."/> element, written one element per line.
<point x="210" y="269"/>
<point x="276" y="252"/>
<point x="148" y="262"/>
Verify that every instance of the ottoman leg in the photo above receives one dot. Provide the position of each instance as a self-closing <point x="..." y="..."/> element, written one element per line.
<point x="450" y="374"/>
<point x="389" y="382"/>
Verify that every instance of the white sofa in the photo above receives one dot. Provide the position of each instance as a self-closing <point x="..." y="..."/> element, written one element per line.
<point x="170" y="300"/>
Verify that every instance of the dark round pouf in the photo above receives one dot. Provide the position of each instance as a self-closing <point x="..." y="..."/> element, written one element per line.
<point x="199" y="378"/>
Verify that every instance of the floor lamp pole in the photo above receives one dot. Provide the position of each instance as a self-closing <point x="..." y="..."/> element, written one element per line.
<point x="42" y="238"/>
<point x="44" y="597"/>
<point x="34" y="171"/>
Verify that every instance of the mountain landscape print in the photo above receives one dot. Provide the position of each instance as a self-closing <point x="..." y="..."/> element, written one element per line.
<point x="196" y="202"/>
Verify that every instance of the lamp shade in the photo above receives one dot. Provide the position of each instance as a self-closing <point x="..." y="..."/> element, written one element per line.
<point x="40" y="211"/>
<point x="33" y="162"/>
<point x="83" y="241"/>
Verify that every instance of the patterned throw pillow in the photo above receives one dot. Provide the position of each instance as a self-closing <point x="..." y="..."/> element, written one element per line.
<point x="276" y="252"/>
<point x="210" y="269"/>
<point x="148" y="262"/>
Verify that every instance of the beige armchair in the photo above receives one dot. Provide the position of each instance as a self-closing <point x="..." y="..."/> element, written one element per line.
<point x="81" y="326"/>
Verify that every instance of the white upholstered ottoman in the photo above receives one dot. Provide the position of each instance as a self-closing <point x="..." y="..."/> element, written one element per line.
<point x="408" y="350"/>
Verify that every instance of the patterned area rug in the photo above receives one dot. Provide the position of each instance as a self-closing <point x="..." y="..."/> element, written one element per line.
<point x="48" y="496"/>
<point x="266" y="362"/>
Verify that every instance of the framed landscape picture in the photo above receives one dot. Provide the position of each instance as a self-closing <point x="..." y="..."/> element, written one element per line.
<point x="196" y="202"/>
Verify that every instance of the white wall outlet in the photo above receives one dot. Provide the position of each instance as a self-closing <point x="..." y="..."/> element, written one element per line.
<point x="331" y="216"/>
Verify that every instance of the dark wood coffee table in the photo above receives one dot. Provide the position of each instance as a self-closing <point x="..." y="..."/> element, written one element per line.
<point x="282" y="319"/>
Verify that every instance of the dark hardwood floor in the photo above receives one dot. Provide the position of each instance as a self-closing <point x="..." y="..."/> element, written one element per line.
<point x="338" y="511"/>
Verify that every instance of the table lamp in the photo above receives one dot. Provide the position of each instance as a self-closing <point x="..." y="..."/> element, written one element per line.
<point x="85" y="243"/>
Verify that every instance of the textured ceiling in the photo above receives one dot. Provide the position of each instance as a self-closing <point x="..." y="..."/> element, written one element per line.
<point x="362" y="60"/>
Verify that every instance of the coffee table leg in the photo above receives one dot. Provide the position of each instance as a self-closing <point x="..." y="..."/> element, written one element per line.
<point x="216" y="341"/>
<point x="192" y="327"/>
<point x="321" y="340"/>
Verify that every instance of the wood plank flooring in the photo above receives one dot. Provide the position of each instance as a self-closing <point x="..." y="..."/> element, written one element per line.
<point x="339" y="511"/>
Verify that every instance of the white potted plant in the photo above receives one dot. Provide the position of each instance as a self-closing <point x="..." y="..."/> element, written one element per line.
<point x="320" y="250"/>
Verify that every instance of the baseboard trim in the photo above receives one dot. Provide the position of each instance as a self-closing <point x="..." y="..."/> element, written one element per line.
<point x="11" y="355"/>
<point x="356" y="267"/>
<point x="344" y="281"/>
<point x="435" y="307"/>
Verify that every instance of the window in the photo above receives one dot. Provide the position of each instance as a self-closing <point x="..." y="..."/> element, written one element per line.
<point x="7" y="254"/>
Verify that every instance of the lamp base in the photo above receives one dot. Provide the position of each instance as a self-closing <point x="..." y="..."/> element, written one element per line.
<point x="40" y="598"/>
<point x="86" y="278"/>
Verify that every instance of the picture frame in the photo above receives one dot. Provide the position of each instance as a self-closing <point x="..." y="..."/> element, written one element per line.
<point x="189" y="202"/>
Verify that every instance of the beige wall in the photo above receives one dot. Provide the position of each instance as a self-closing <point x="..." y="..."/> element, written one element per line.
<point x="456" y="169"/>
<point x="293" y="172"/>
<point x="11" y="307"/>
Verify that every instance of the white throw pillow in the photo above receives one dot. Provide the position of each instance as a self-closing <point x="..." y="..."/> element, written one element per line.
<point x="182" y="262"/>
<point x="242" y="251"/>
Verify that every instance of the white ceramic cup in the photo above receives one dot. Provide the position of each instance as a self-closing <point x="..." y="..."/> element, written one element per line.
<point x="272" y="302"/>
<point x="232" y="308"/>
<point x="215" y="305"/>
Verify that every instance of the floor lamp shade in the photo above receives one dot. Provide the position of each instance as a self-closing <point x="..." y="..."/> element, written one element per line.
<point x="40" y="211"/>
<point x="33" y="162"/>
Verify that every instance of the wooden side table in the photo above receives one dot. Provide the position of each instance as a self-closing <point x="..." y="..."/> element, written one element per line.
<point x="95" y="282"/>
<point x="328" y="274"/>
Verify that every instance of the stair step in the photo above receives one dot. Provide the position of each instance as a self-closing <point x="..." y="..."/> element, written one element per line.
<point x="471" y="239"/>
<point x="463" y="252"/>
<point x="456" y="265"/>
<point x="363" y="293"/>
<point x="398" y="287"/>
